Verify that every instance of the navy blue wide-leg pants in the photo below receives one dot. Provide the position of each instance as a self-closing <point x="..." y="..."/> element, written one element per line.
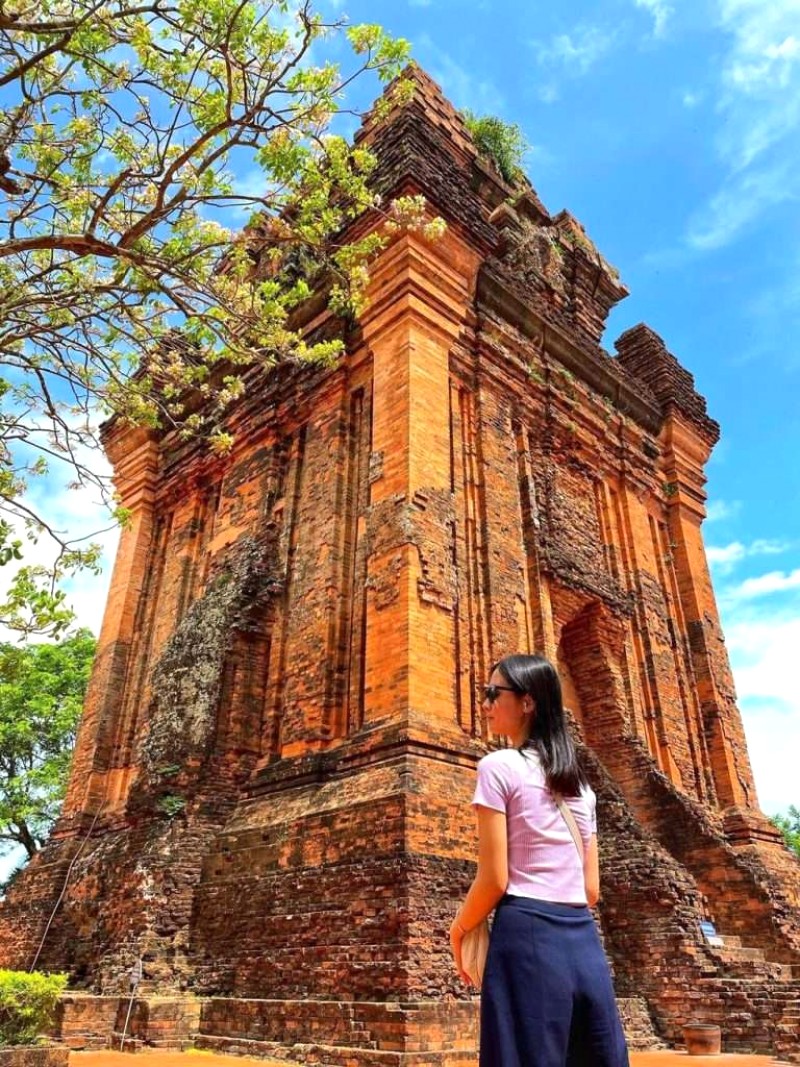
<point x="547" y="998"/>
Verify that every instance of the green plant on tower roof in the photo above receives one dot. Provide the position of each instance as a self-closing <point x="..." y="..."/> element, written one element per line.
<point x="502" y="142"/>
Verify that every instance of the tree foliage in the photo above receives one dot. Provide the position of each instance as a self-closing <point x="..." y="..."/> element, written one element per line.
<point x="123" y="125"/>
<point x="41" y="695"/>
<point x="27" y="1006"/>
<point x="789" y="826"/>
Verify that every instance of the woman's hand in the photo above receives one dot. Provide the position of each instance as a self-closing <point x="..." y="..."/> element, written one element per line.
<point x="456" y="938"/>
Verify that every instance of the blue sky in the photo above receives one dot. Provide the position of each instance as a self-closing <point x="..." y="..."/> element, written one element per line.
<point x="672" y="131"/>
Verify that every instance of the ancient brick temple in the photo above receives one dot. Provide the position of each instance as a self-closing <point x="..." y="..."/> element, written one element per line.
<point x="269" y="804"/>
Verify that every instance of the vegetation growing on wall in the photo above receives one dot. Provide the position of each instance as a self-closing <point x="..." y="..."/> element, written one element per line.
<point x="501" y="142"/>
<point x="187" y="680"/>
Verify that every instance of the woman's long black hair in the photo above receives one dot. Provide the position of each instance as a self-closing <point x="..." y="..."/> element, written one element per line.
<point x="536" y="677"/>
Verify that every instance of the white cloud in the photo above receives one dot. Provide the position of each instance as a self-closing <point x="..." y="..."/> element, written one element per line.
<point x="761" y="586"/>
<point x="773" y="740"/>
<point x="727" y="555"/>
<point x="660" y="11"/>
<point x="765" y="55"/>
<point x="723" y="558"/>
<point x="76" y="514"/>
<point x="758" y="101"/>
<point x="578" y="52"/>
<point x="762" y="645"/>
<point x="763" y="546"/>
<point x="718" y="510"/>
<point x="691" y="99"/>
<point x="761" y="621"/>
<point x="548" y="94"/>
<point x="738" y="204"/>
<point x="753" y="126"/>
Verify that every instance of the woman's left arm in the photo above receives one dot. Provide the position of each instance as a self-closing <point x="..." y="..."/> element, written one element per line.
<point x="591" y="872"/>
<point x="490" y="881"/>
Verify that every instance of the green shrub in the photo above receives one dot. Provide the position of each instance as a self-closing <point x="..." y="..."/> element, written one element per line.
<point x="171" y="804"/>
<point x="27" y="1005"/>
<point x="503" y="142"/>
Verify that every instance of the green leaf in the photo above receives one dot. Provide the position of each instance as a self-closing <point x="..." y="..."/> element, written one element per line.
<point x="41" y="695"/>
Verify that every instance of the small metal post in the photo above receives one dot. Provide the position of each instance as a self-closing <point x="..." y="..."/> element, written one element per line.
<point x="134" y="977"/>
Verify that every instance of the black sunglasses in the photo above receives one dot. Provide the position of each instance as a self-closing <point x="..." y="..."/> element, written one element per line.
<point x="492" y="692"/>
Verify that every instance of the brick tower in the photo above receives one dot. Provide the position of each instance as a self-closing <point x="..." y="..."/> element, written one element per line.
<point x="269" y="804"/>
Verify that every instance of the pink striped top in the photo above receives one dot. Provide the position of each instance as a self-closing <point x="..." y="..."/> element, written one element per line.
<point x="543" y="861"/>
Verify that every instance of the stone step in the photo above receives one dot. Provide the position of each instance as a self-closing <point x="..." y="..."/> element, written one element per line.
<point x="740" y="955"/>
<point x="755" y="969"/>
<point x="637" y="1024"/>
<point x="732" y="951"/>
<point x="335" y="1055"/>
<point x="134" y="1043"/>
<point x="85" y="1021"/>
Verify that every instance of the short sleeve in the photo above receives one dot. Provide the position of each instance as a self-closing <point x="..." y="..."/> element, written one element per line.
<point x="592" y="799"/>
<point x="493" y="787"/>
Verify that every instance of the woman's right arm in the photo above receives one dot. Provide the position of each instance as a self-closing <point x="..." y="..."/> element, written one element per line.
<point x="591" y="872"/>
<point x="489" y="883"/>
<point x="491" y="878"/>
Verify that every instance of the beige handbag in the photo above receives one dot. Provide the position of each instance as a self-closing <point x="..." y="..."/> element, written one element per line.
<point x="475" y="943"/>
<point x="474" y="949"/>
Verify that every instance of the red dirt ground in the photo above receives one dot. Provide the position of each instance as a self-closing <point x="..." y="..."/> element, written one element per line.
<point x="204" y="1059"/>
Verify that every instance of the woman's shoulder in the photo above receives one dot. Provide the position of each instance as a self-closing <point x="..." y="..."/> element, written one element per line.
<point x="500" y="764"/>
<point x="500" y="757"/>
<point x="512" y="761"/>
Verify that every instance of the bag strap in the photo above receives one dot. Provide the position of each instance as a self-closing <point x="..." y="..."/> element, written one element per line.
<point x="569" y="819"/>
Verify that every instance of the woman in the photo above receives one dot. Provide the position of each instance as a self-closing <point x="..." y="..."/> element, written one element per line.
<point x="547" y="998"/>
